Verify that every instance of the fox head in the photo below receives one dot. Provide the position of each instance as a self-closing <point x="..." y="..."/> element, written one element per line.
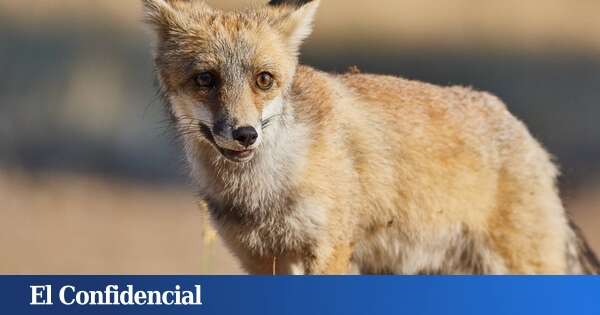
<point x="225" y="74"/>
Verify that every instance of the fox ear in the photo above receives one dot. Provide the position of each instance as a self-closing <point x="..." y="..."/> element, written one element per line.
<point x="158" y="13"/>
<point x="296" y="19"/>
<point x="165" y="15"/>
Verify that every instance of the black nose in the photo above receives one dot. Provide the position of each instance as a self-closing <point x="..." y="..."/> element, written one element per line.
<point x="245" y="135"/>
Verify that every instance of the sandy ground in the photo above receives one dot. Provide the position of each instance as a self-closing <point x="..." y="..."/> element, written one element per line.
<point x="62" y="224"/>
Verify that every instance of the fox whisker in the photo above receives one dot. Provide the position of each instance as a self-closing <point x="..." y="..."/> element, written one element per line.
<point x="269" y="120"/>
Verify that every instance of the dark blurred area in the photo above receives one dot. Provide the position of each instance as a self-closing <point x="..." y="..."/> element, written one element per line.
<point x="77" y="94"/>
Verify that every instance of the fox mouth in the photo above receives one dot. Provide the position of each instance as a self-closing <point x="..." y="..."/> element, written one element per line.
<point x="231" y="155"/>
<point x="237" y="156"/>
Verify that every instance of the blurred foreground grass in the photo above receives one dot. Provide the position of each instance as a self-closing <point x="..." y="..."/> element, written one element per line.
<point x="63" y="224"/>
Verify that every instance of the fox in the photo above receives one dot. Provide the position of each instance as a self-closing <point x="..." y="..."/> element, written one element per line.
<point x="305" y="172"/>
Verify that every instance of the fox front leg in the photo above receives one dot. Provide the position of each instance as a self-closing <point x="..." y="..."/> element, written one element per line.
<point x="325" y="260"/>
<point x="284" y="264"/>
<point x="330" y="260"/>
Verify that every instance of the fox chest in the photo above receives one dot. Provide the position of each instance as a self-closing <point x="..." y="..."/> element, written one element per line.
<point x="274" y="229"/>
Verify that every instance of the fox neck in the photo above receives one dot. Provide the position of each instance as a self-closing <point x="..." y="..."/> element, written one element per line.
<point x="264" y="183"/>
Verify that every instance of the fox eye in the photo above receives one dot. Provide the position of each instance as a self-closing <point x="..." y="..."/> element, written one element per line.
<point x="264" y="80"/>
<point x="206" y="80"/>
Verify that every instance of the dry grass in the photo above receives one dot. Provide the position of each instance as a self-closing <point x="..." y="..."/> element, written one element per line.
<point x="61" y="224"/>
<point x="516" y="24"/>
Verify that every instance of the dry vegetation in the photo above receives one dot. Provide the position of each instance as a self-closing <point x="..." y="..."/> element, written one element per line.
<point x="62" y="224"/>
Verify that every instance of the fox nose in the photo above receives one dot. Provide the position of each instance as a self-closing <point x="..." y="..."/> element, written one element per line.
<point x="245" y="135"/>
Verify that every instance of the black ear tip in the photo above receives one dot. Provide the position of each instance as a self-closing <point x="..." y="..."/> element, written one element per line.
<point x="297" y="3"/>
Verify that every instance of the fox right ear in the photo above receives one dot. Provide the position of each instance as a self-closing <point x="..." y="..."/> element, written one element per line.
<point x="295" y="19"/>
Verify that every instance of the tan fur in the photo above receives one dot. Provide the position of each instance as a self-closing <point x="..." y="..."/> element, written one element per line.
<point x="389" y="175"/>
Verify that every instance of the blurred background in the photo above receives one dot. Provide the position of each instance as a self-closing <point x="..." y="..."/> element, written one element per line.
<point x="92" y="182"/>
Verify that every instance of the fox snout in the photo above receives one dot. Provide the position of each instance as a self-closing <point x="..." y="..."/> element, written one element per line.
<point x="237" y="142"/>
<point x="246" y="136"/>
<point x="233" y="137"/>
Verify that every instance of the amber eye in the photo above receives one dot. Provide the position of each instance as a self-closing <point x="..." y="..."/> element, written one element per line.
<point x="206" y="80"/>
<point x="264" y="80"/>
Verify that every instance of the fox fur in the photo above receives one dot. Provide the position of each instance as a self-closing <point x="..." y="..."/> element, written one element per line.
<point x="353" y="171"/>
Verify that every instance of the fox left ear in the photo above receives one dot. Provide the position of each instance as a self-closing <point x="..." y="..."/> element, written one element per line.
<point x="295" y="22"/>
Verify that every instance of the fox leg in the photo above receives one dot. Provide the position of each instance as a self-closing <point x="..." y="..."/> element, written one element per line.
<point x="339" y="261"/>
<point x="324" y="260"/>
<point x="285" y="264"/>
<point x="330" y="260"/>
<point x="528" y="228"/>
